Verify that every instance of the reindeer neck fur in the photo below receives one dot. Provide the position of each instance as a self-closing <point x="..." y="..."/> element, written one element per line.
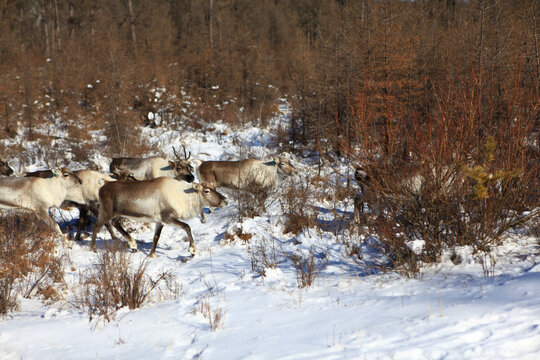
<point x="92" y="181"/>
<point x="189" y="202"/>
<point x="63" y="190"/>
<point x="161" y="168"/>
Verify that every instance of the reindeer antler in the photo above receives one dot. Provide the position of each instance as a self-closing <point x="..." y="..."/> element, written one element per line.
<point x="175" y="154"/>
<point x="186" y="156"/>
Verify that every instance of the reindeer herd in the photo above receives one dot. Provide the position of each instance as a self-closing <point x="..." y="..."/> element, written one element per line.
<point x="143" y="189"/>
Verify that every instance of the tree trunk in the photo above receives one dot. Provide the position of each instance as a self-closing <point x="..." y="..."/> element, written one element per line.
<point x="132" y="25"/>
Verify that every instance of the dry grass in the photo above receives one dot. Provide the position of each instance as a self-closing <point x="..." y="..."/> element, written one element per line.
<point x="214" y="315"/>
<point x="30" y="265"/>
<point x="238" y="234"/>
<point x="264" y="254"/>
<point x="114" y="282"/>
<point x="307" y="268"/>
<point x="209" y="304"/>
<point x="252" y="203"/>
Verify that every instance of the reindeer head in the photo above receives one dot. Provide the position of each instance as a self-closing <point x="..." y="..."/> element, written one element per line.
<point x="284" y="166"/>
<point x="183" y="169"/>
<point x="210" y="195"/>
<point x="5" y="169"/>
<point x="71" y="183"/>
<point x="67" y="175"/>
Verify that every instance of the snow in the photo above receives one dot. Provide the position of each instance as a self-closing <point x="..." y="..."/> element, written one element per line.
<point x="350" y="312"/>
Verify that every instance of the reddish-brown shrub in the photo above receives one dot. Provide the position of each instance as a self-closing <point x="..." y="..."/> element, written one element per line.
<point x="298" y="215"/>
<point x="114" y="283"/>
<point x="30" y="265"/>
<point x="477" y="176"/>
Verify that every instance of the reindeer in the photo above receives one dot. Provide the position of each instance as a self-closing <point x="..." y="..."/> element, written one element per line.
<point x="162" y="200"/>
<point x="91" y="181"/>
<point x="244" y="174"/>
<point x="250" y="174"/>
<point x="5" y="169"/>
<point x="154" y="167"/>
<point x="38" y="194"/>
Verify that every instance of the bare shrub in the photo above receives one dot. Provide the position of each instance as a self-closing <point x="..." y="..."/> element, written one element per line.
<point x="264" y="255"/>
<point x="307" y="267"/>
<point x="30" y="265"/>
<point x="208" y="305"/>
<point x="252" y="202"/>
<point x="298" y="215"/>
<point x="81" y="152"/>
<point x="114" y="283"/>
<point x="533" y="228"/>
<point x="230" y="114"/>
<point x="123" y="139"/>
<point x="8" y="294"/>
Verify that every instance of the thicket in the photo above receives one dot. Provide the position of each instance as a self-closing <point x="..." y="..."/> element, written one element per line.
<point x="466" y="177"/>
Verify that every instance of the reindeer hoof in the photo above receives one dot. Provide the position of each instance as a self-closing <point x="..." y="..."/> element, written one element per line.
<point x="192" y="251"/>
<point x="132" y="246"/>
<point x="152" y="255"/>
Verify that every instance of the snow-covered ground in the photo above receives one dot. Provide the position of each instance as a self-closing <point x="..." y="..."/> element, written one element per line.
<point x="350" y="312"/>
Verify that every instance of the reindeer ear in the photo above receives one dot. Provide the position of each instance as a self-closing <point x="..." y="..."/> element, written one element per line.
<point x="198" y="187"/>
<point x="54" y="172"/>
<point x="171" y="164"/>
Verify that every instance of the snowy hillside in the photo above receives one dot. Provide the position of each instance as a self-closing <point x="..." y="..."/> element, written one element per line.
<point x="351" y="311"/>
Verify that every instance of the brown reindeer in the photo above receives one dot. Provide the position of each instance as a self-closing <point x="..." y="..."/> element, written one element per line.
<point x="162" y="200"/>
<point x="154" y="167"/>
<point x="249" y="174"/>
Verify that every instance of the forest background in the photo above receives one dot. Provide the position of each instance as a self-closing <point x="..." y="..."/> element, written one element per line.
<point x="348" y="68"/>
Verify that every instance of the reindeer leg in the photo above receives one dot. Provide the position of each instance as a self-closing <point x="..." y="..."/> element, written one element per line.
<point x="109" y="228"/>
<point x="99" y="223"/>
<point x="170" y="220"/>
<point x="157" y="233"/>
<point x="95" y="211"/>
<point x="84" y="221"/>
<point x="131" y="242"/>
<point x="203" y="217"/>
